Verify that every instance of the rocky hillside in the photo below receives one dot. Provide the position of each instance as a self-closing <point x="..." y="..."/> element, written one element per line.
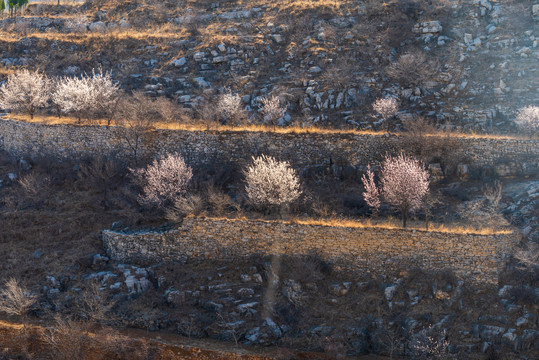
<point x="467" y="63"/>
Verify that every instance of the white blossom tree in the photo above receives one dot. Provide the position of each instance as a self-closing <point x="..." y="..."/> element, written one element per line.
<point x="87" y="95"/>
<point x="528" y="119"/>
<point x="229" y="106"/>
<point x="25" y="91"/>
<point x="164" y="180"/>
<point x="272" y="110"/>
<point x="404" y="183"/>
<point x="371" y="194"/>
<point x="386" y="108"/>
<point x="270" y="182"/>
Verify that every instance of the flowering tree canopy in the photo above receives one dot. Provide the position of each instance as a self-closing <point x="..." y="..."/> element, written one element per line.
<point x="272" y="110"/>
<point x="87" y="95"/>
<point x="371" y="194"/>
<point x="528" y="119"/>
<point x="386" y="107"/>
<point x="230" y="106"/>
<point x="164" y="180"/>
<point x="271" y="182"/>
<point x="403" y="184"/>
<point x="25" y="91"/>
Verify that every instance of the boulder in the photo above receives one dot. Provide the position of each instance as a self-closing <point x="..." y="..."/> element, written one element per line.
<point x="179" y="62"/>
<point x="98" y="26"/>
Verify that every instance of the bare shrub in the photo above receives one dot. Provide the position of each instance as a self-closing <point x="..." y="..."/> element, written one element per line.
<point x="219" y="202"/>
<point x="25" y="91"/>
<point x="87" y="96"/>
<point x="184" y="206"/>
<point x="424" y="140"/>
<point x="68" y="340"/>
<point x="431" y="344"/>
<point x="528" y="119"/>
<point x="485" y="212"/>
<point x="412" y="70"/>
<point x="169" y="111"/>
<point x="164" y="181"/>
<point x="272" y="110"/>
<point x="270" y="182"/>
<point x="93" y="306"/>
<point x="528" y="255"/>
<point x="102" y="174"/>
<point x="34" y="184"/>
<point x="15" y="299"/>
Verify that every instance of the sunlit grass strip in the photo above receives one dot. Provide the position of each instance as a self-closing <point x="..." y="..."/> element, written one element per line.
<point x="388" y="224"/>
<point x="66" y="120"/>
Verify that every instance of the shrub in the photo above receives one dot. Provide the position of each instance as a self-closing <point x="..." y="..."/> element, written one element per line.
<point x="412" y="69"/>
<point x="164" y="180"/>
<point x="14" y="299"/>
<point x="25" y="91"/>
<point x="270" y="182"/>
<point x="528" y="119"/>
<point x="431" y="344"/>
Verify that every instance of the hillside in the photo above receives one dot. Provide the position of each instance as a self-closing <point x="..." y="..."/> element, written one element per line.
<point x="474" y="63"/>
<point x="254" y="179"/>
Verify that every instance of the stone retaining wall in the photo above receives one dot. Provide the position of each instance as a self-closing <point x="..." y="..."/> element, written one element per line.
<point x="376" y="251"/>
<point x="303" y="150"/>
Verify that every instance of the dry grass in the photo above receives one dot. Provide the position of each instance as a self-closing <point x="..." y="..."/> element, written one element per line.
<point x="160" y="33"/>
<point x="387" y="224"/>
<point x="66" y="120"/>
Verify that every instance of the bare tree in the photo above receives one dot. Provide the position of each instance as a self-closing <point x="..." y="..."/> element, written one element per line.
<point x="528" y="119"/>
<point x="88" y="95"/>
<point x="371" y="194"/>
<point x="272" y="110"/>
<point x="134" y="120"/>
<point x="15" y="300"/>
<point x="270" y="182"/>
<point x="164" y="180"/>
<point x="25" y="91"/>
<point x="230" y="108"/>
<point x="412" y="69"/>
<point x="169" y="111"/>
<point x="404" y="184"/>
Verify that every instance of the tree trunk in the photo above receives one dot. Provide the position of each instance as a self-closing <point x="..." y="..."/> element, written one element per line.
<point x="404" y="218"/>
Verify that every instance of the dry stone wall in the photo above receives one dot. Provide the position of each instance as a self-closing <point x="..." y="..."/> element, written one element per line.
<point x="201" y="147"/>
<point x="365" y="251"/>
